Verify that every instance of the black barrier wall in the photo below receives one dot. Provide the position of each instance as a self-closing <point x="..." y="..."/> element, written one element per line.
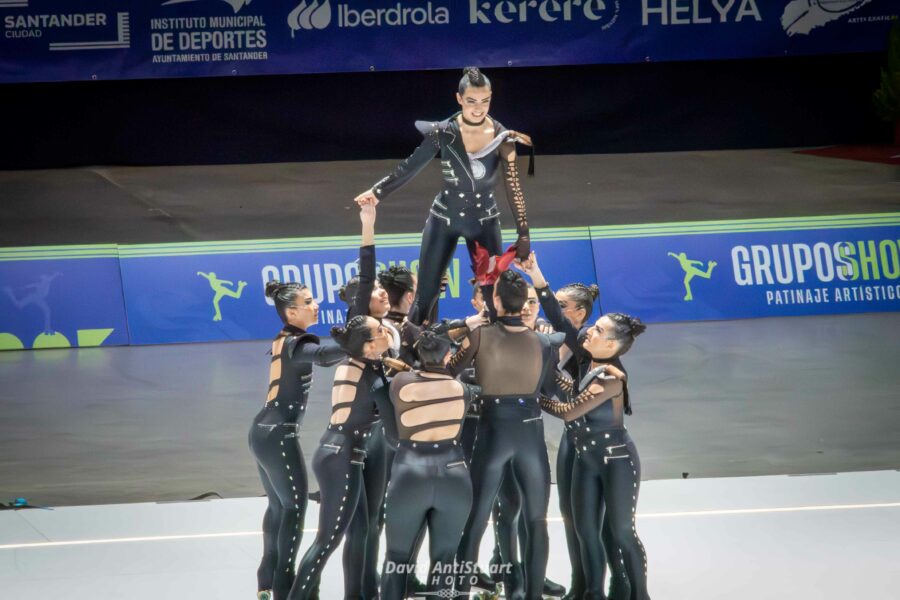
<point x="766" y="103"/>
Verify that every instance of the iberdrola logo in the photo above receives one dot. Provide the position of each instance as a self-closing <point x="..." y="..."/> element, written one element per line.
<point x="691" y="270"/>
<point x="310" y="15"/>
<point x="220" y="287"/>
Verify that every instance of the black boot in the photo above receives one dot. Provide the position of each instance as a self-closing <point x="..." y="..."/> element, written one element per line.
<point x="414" y="587"/>
<point x="514" y="583"/>
<point x="484" y="582"/>
<point x="619" y="588"/>
<point x="553" y="589"/>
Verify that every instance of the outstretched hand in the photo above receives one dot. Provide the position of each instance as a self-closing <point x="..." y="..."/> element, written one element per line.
<point x="527" y="265"/>
<point x="530" y="267"/>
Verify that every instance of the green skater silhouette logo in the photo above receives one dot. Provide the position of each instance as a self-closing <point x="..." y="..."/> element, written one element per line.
<point x="691" y="271"/>
<point x="219" y="287"/>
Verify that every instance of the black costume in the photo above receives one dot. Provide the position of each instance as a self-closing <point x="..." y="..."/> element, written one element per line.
<point x="465" y="206"/>
<point x="360" y="557"/>
<point x="577" y="366"/>
<point x="607" y="471"/>
<point x="510" y="366"/>
<point x="274" y="444"/>
<point x="429" y="483"/>
<point x="509" y="528"/>
<point x="338" y="466"/>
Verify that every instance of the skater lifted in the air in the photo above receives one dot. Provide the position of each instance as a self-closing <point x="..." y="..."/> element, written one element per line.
<point x="474" y="148"/>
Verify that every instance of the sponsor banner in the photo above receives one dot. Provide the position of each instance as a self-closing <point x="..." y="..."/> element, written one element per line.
<point x="756" y="268"/>
<point x="215" y="291"/>
<point x="57" y="40"/>
<point x="198" y="292"/>
<point x="61" y="297"/>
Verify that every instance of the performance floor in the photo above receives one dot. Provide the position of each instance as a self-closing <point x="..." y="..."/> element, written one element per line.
<point x="830" y="537"/>
<point x="715" y="399"/>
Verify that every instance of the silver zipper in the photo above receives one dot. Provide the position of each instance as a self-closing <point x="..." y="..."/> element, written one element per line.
<point x="489" y="217"/>
<point x="611" y="448"/>
<point x="606" y="459"/>
<point x="471" y="178"/>
<point x="440" y="216"/>
<point x="531" y="419"/>
<point x="438" y="202"/>
<point x="456" y="464"/>
<point x="332" y="446"/>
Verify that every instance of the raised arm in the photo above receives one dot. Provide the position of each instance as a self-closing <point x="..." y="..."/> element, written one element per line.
<point x="363" y="296"/>
<point x="466" y="354"/>
<point x="406" y="170"/>
<point x="515" y="197"/>
<point x="548" y="301"/>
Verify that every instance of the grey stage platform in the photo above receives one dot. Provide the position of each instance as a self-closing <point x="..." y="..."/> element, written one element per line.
<point x="753" y="397"/>
<point x="756" y="397"/>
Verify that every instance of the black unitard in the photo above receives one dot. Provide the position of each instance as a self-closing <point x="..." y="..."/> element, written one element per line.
<point x="429" y="483"/>
<point x="274" y="444"/>
<point x="577" y="366"/>
<point x="360" y="555"/>
<point x="607" y="471"/>
<point x="510" y="366"/>
<point x="508" y="527"/>
<point x="465" y="207"/>
<point x="338" y="466"/>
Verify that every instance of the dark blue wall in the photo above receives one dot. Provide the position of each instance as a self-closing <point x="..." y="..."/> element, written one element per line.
<point x="586" y="109"/>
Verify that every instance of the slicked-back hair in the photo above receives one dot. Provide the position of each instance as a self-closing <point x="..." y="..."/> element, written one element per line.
<point x="284" y="295"/>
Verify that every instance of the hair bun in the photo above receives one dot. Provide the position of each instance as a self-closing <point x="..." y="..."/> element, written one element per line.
<point x="342" y="293"/>
<point x="272" y="288"/>
<point x="338" y="332"/>
<point x="637" y="326"/>
<point x="428" y="340"/>
<point x="594" y="291"/>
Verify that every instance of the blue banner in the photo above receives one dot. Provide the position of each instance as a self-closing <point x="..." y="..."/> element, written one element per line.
<point x="61" y="297"/>
<point x="60" y="40"/>
<point x="757" y="268"/>
<point x="199" y="292"/>
<point x="214" y="291"/>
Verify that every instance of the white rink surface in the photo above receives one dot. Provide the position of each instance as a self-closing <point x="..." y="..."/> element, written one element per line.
<point x="819" y="537"/>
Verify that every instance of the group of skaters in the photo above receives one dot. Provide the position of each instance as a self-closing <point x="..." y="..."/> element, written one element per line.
<point x="436" y="425"/>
